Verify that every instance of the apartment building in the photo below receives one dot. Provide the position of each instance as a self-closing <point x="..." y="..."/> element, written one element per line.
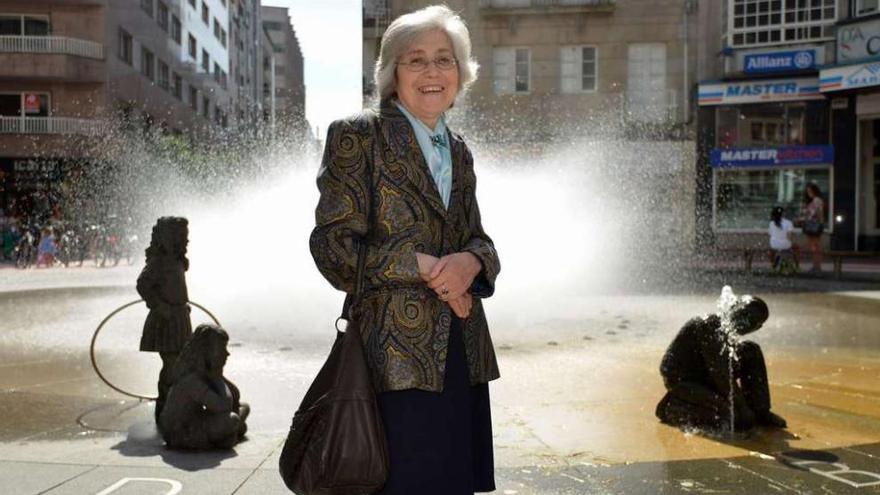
<point x="246" y="45"/>
<point x="573" y="67"/>
<point x="288" y="85"/>
<point x="72" y="71"/>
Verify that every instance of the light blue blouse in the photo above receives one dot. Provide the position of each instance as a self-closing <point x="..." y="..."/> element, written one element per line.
<point x="435" y="148"/>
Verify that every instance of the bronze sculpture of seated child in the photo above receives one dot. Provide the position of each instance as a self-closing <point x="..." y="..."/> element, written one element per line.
<point x="203" y="409"/>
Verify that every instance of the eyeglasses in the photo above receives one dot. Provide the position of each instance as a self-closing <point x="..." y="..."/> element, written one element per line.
<point x="420" y="64"/>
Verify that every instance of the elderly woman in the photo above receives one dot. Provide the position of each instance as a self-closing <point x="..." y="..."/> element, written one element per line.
<point x="401" y="183"/>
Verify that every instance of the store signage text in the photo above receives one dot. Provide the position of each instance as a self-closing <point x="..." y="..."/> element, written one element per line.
<point x="762" y="63"/>
<point x="782" y="156"/>
<point x="858" y="41"/>
<point x="849" y="77"/>
<point x="732" y="93"/>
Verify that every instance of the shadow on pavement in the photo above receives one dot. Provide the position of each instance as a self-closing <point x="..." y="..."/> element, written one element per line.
<point x="144" y="441"/>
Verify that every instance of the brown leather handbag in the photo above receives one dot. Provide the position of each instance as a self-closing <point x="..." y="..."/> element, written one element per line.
<point x="336" y="444"/>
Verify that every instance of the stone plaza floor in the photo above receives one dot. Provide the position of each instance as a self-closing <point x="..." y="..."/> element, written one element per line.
<point x="572" y="413"/>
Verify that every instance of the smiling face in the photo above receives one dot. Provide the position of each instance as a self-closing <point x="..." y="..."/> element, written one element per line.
<point x="429" y="93"/>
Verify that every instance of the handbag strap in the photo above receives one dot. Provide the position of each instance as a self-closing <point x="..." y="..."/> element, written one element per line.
<point x="362" y="244"/>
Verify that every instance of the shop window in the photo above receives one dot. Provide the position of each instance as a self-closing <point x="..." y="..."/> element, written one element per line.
<point x="761" y="125"/>
<point x="744" y="197"/>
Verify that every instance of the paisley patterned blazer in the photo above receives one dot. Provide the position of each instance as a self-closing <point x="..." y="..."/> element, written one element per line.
<point x="404" y="325"/>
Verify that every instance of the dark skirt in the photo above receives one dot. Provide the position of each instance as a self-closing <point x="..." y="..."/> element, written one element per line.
<point x="440" y="443"/>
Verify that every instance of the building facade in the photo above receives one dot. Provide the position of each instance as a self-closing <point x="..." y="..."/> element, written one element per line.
<point x="784" y="102"/>
<point x="288" y="84"/>
<point x="73" y="71"/>
<point x="575" y="67"/>
<point x="852" y="87"/>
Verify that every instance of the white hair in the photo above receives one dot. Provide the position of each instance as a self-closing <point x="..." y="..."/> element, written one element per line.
<point x="403" y="32"/>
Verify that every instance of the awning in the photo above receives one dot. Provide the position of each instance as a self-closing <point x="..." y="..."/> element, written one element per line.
<point x="758" y="91"/>
<point x="849" y="77"/>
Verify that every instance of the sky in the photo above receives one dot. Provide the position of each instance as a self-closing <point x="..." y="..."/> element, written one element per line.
<point x="329" y="33"/>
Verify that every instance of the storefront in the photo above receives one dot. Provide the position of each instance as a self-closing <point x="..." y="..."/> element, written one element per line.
<point x="853" y="88"/>
<point x="761" y="142"/>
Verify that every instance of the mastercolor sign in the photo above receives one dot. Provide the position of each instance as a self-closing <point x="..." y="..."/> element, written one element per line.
<point x="773" y="157"/>
<point x="759" y="91"/>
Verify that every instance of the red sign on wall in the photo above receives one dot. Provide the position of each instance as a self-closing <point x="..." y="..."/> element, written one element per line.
<point x="31" y="103"/>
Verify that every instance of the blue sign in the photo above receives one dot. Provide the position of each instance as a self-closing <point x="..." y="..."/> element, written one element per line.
<point x="764" y="63"/>
<point x="784" y="156"/>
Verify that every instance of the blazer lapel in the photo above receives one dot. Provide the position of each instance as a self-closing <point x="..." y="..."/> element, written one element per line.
<point x="401" y="139"/>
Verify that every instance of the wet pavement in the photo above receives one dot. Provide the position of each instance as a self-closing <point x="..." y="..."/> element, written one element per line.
<point x="573" y="412"/>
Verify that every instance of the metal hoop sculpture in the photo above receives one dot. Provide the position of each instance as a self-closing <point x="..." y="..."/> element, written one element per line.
<point x="104" y="322"/>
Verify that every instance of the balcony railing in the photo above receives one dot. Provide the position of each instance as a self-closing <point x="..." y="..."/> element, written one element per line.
<point x="50" y="125"/>
<point x="51" y="44"/>
<point x="543" y="4"/>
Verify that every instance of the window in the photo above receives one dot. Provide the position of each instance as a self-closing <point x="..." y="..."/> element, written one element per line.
<point x="206" y="61"/>
<point x="511" y="71"/>
<point x="764" y="125"/>
<point x="578" y="69"/>
<point x="192" y="3"/>
<point x="206" y="107"/>
<point x="745" y="196"/>
<point x="223" y="37"/>
<point x="175" y="29"/>
<point x="194" y="98"/>
<point x="163" y="75"/>
<point x="646" y="82"/>
<point x="27" y="25"/>
<point x="26" y="104"/>
<point x="147" y="6"/>
<point x="162" y="15"/>
<point x="125" y="46"/>
<point x="766" y="22"/>
<point x="865" y="7"/>
<point x="216" y="72"/>
<point x="206" y="14"/>
<point x="176" y="85"/>
<point x="216" y="28"/>
<point x="148" y="64"/>
<point x="192" y="46"/>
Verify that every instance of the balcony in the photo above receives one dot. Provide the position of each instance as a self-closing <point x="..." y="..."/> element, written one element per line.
<point x="50" y="125"/>
<point x="51" y="58"/>
<point x="58" y="45"/>
<point x="526" y="7"/>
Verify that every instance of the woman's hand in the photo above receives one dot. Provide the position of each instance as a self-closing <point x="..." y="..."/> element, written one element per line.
<point x="426" y="264"/>
<point x="453" y="274"/>
<point x="462" y="306"/>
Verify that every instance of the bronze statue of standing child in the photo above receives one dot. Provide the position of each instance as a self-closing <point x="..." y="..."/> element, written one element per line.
<point x="162" y="285"/>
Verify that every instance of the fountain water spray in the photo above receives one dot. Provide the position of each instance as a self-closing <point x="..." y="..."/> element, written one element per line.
<point x="727" y="303"/>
